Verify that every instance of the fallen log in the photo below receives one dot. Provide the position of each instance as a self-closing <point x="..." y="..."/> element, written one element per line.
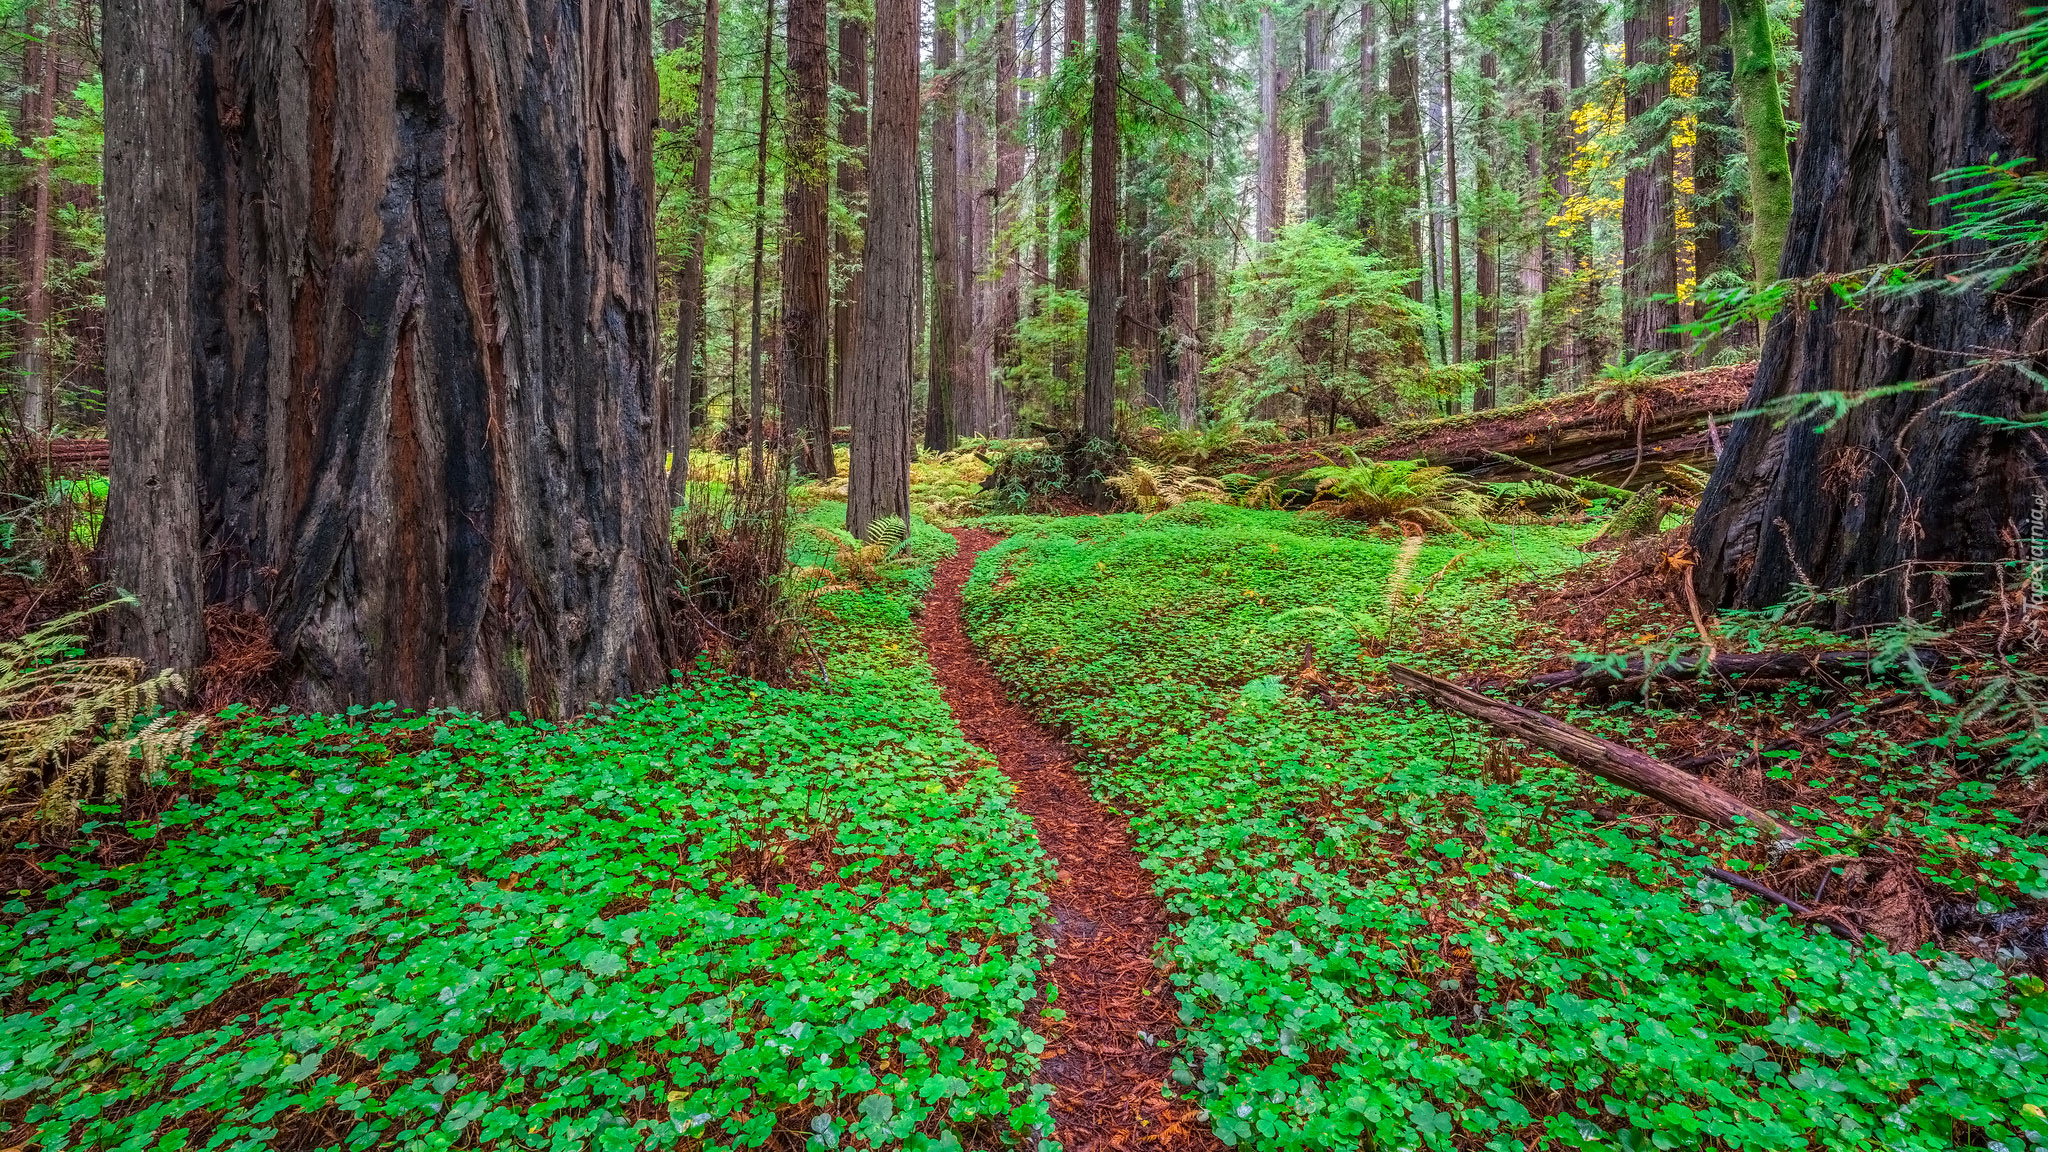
<point x="1617" y="764"/>
<point x="1748" y="665"/>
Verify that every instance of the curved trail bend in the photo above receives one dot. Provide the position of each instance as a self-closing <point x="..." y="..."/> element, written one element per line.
<point x="1106" y="921"/>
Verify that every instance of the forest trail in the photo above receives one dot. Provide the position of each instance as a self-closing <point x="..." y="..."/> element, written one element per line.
<point x="1106" y="921"/>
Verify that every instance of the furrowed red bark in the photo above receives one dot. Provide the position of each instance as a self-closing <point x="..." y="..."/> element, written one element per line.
<point x="878" y="476"/>
<point x="806" y="251"/>
<point x="423" y="333"/>
<point x="150" y="540"/>
<point x="1906" y="505"/>
<point x="1404" y="143"/>
<point x="1009" y="179"/>
<point x="757" y="389"/>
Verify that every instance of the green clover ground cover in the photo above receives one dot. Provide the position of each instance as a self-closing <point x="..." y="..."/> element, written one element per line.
<point x="712" y="913"/>
<point x="1382" y="937"/>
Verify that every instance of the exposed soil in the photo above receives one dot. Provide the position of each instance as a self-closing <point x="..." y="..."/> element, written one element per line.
<point x="1108" y="1078"/>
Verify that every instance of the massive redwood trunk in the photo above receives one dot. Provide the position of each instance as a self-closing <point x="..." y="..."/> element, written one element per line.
<point x="853" y="138"/>
<point x="688" y="393"/>
<point x="1905" y="488"/>
<point x="947" y="344"/>
<point x="1403" y="238"/>
<point x="421" y="343"/>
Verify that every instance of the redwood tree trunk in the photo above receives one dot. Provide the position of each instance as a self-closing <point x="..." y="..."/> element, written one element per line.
<point x="1404" y="136"/>
<point x="38" y="407"/>
<point x="943" y="376"/>
<point x="806" y="253"/>
<point x="1009" y="178"/>
<point x="1098" y="401"/>
<point x="853" y="138"/>
<point x="150" y="542"/>
<point x="1320" y="172"/>
<point x="422" y="343"/>
<point x="1268" y="190"/>
<point x="878" y="475"/>
<point x="1903" y="488"/>
<point x="1649" y="223"/>
<point x="688" y="393"/>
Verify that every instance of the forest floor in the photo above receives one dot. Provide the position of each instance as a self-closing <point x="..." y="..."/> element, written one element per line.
<point x="1106" y="830"/>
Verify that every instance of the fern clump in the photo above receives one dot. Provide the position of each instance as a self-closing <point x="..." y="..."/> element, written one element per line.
<point x="1151" y="488"/>
<point x="1412" y="493"/>
<point x="68" y="732"/>
<point x="861" y="563"/>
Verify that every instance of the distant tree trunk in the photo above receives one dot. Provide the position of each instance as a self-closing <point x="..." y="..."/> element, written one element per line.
<point x="1372" y="136"/>
<point x="757" y="390"/>
<point x="942" y="368"/>
<point x="1009" y="176"/>
<point x="1456" y="267"/>
<point x="1266" y="210"/>
<point x="423" y="409"/>
<point x="1551" y="164"/>
<point x="1042" y="159"/>
<point x="975" y="184"/>
<point x="688" y="393"/>
<point x="1098" y="401"/>
<point x="1183" y="187"/>
<point x="1649" y="224"/>
<point x="1486" y="267"/>
<point x="1404" y="141"/>
<point x="853" y="139"/>
<point x="37" y="386"/>
<point x="806" y="245"/>
<point x="151" y="535"/>
<point x="1320" y="172"/>
<point x="1067" y="198"/>
<point x="1137" y="328"/>
<point x="1763" y="134"/>
<point x="1905" y="506"/>
<point x="878" y="482"/>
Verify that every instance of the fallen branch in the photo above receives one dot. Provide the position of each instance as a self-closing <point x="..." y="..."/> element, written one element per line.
<point x="1749" y="665"/>
<point x="1617" y="764"/>
<point x="1744" y="884"/>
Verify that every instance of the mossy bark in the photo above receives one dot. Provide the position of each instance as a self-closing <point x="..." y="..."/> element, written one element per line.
<point x="1762" y="111"/>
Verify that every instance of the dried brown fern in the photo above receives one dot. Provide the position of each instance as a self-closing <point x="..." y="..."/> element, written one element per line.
<point x="68" y="732"/>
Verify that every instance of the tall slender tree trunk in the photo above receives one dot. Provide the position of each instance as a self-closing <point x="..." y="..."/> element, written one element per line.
<point x="151" y="537"/>
<point x="688" y="393"/>
<point x="1762" y="112"/>
<point x="423" y="409"/>
<point x="757" y="388"/>
<point x="878" y="475"/>
<point x="1456" y="268"/>
<point x="1485" y="265"/>
<point x="1098" y="401"/>
<point x="806" y="245"/>
<point x="1067" y="199"/>
<point x="943" y="383"/>
<point x="1044" y="164"/>
<point x="977" y="179"/>
<point x="1320" y="173"/>
<point x="1008" y="309"/>
<point x="37" y="380"/>
<point x="1907" y="506"/>
<point x="1550" y="154"/>
<point x="1649" y="224"/>
<point x="852" y="181"/>
<point x="1372" y="136"/>
<point x="1183" y="187"/>
<point x="1404" y="136"/>
<point x="1269" y="190"/>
